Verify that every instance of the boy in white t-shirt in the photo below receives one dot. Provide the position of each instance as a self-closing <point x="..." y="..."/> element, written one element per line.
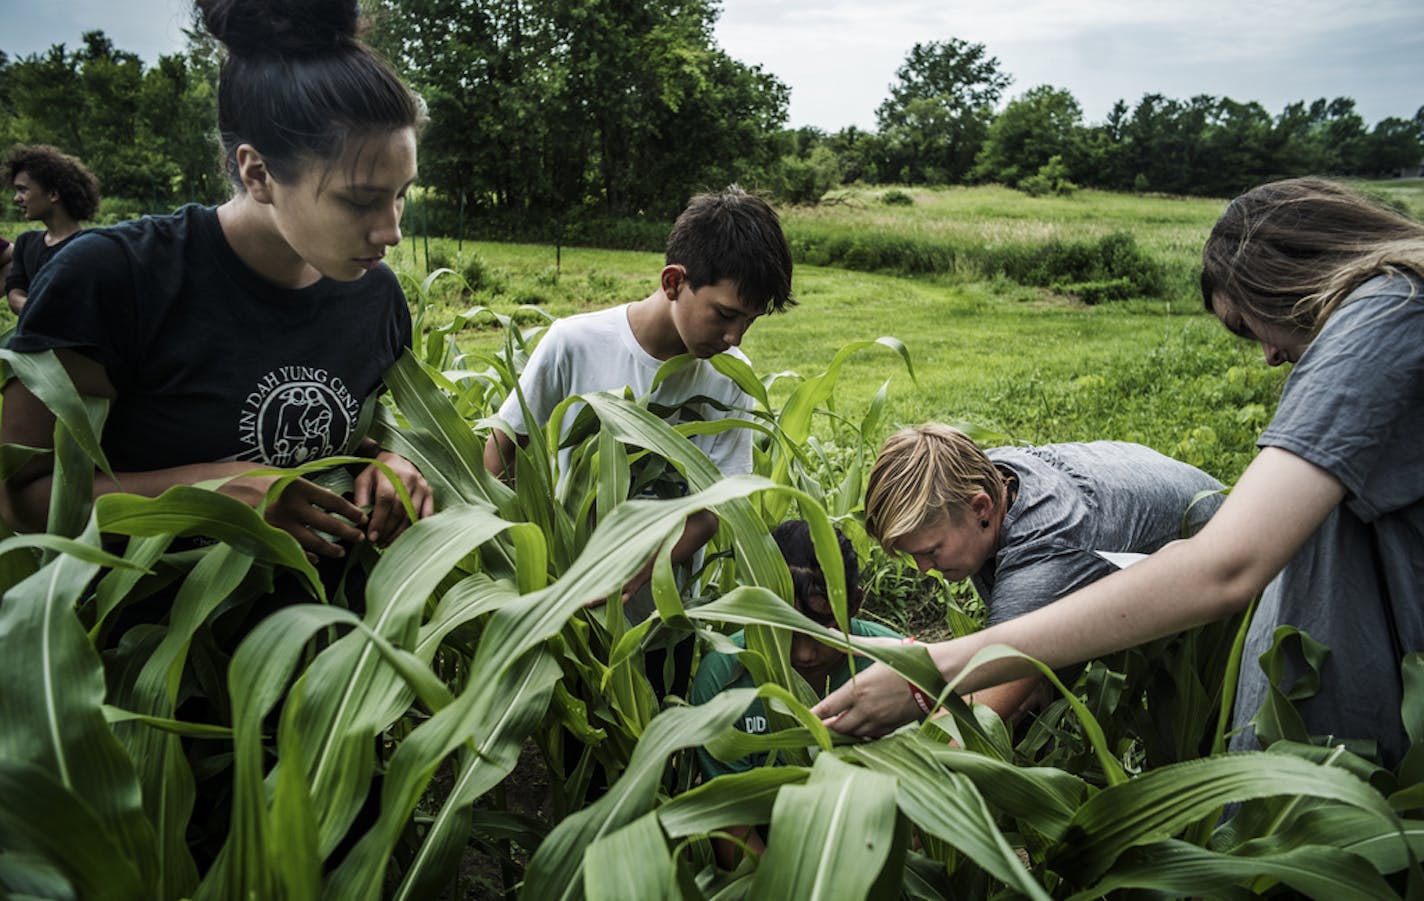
<point x="727" y="263"/>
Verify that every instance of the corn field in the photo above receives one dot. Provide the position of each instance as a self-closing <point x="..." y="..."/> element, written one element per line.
<point x="363" y="734"/>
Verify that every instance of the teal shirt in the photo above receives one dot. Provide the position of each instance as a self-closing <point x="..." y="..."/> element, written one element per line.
<point x="719" y="672"/>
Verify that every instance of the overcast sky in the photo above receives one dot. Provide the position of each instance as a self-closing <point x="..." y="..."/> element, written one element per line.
<point x="840" y="56"/>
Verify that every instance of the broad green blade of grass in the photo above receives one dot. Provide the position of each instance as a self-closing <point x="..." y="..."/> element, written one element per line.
<point x="630" y="864"/>
<point x="185" y="510"/>
<point x="829" y="838"/>
<point x="52" y="706"/>
<point x="1348" y="828"/>
<point x="946" y="805"/>
<point x="163" y="771"/>
<point x="72" y="486"/>
<point x="48" y="381"/>
<point x="43" y="817"/>
<point x="349" y="694"/>
<point x="1042" y="799"/>
<point x="1157" y="804"/>
<point x="736" y="799"/>
<point x="257" y="679"/>
<point x="492" y="721"/>
<point x="428" y="409"/>
<point x="556" y="869"/>
<point x="1177" y="868"/>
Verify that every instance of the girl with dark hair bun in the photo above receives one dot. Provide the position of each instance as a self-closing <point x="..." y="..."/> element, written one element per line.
<point x="254" y="333"/>
<point x="1326" y="524"/>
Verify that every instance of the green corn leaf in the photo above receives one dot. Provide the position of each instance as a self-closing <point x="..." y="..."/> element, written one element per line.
<point x="348" y="692"/>
<point x="48" y="381"/>
<point x="185" y="510"/>
<point x="43" y="817"/>
<point x="608" y="875"/>
<point x="493" y="723"/>
<point x="736" y="799"/>
<point x="1159" y="803"/>
<point x="52" y="706"/>
<point x="1180" y="869"/>
<point x="947" y="806"/>
<point x="829" y="838"/>
<point x="556" y="869"/>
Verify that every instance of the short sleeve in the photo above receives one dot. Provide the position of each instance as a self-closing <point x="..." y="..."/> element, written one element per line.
<point x="540" y="382"/>
<point x="1352" y="404"/>
<point x="83" y="300"/>
<point x="19" y="278"/>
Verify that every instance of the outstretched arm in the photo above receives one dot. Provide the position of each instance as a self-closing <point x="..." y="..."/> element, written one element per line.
<point x="1279" y="502"/>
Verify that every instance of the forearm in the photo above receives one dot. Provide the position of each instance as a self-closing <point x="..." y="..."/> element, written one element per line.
<point x="700" y="528"/>
<point x="16" y="298"/>
<point x="29" y="499"/>
<point x="499" y="455"/>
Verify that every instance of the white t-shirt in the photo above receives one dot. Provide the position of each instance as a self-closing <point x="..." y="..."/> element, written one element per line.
<point x="598" y="352"/>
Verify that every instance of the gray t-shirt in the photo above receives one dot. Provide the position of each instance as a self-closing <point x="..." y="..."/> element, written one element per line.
<point x="1076" y="499"/>
<point x="1354" y="406"/>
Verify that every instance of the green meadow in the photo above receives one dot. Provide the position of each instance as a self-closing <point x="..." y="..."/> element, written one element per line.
<point x="1021" y="362"/>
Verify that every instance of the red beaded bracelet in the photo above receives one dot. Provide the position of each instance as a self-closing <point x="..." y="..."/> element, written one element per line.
<point x="922" y="700"/>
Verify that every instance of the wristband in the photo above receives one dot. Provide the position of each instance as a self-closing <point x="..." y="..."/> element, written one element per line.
<point x="922" y="700"/>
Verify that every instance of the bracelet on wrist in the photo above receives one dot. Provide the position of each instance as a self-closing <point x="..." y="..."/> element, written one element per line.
<point x="922" y="700"/>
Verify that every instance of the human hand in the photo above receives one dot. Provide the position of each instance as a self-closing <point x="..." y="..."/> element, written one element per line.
<point x="874" y="703"/>
<point x="303" y="509"/>
<point x="388" y="516"/>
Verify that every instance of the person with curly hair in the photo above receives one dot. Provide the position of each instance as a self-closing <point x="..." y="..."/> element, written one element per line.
<point x="50" y="187"/>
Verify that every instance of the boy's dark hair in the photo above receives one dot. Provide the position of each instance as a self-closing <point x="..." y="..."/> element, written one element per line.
<point x="734" y="235"/>
<point x="54" y="170"/>
<point x="794" y="539"/>
<point x="298" y="84"/>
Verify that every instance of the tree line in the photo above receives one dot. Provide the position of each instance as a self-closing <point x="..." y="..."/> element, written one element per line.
<point x="546" y="110"/>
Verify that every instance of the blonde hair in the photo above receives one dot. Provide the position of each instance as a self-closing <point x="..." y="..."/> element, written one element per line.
<point x="923" y="473"/>
<point x="1289" y="252"/>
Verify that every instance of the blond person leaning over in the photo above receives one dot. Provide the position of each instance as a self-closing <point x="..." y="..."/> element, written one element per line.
<point x="1333" y="505"/>
<point x="1026" y="524"/>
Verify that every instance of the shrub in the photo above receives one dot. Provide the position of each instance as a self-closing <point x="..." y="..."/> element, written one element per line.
<point x="1051" y="178"/>
<point x="896" y="198"/>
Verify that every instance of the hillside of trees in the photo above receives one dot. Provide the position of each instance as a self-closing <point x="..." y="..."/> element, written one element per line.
<point x="542" y="111"/>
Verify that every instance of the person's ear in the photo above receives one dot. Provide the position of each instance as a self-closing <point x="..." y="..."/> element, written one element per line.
<point x="253" y="171"/>
<point x="981" y="506"/>
<point x="673" y="277"/>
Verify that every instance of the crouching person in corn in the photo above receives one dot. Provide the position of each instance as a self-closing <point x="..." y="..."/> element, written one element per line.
<point x="825" y="668"/>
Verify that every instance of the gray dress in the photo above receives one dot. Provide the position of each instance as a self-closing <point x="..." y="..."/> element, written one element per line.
<point x="1354" y="406"/>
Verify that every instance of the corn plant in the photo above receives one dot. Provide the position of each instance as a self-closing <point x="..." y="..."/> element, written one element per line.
<point x="351" y="733"/>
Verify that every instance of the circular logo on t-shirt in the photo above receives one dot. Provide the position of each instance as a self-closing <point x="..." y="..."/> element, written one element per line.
<point x="297" y="414"/>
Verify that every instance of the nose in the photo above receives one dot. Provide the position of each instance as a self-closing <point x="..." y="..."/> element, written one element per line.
<point x="923" y="563"/>
<point x="1274" y="355"/>
<point x="387" y="233"/>
<point x="803" y="652"/>
<point x="734" y="333"/>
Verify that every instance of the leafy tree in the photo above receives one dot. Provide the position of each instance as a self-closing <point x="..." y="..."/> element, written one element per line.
<point x="544" y="105"/>
<point x="1393" y="147"/>
<point x="938" y="113"/>
<point x="147" y="136"/>
<point x="1045" y="123"/>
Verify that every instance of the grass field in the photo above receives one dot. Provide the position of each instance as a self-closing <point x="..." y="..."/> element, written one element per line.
<point x="1018" y="360"/>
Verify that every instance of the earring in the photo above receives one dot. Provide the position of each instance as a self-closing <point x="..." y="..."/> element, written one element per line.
<point x="983" y="523"/>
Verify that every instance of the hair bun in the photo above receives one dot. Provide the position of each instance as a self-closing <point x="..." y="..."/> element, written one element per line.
<point x="281" y="27"/>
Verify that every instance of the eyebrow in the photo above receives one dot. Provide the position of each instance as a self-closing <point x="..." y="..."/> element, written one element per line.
<point x="379" y="189"/>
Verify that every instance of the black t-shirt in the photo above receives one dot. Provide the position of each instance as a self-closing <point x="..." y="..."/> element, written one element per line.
<point x="210" y="361"/>
<point x="31" y="253"/>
